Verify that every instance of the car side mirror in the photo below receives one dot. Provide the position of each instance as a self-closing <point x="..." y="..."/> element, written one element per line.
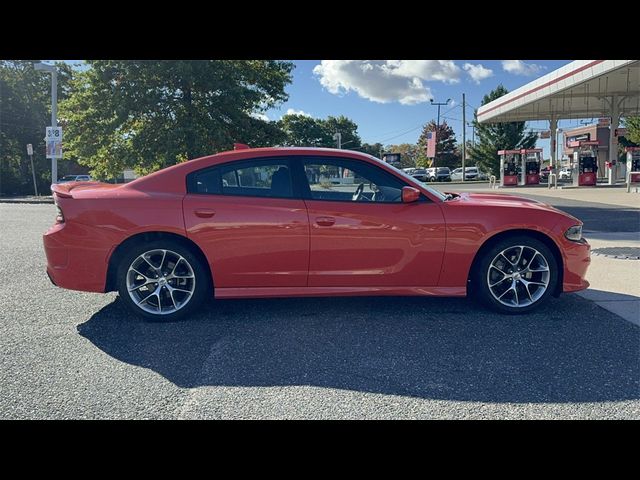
<point x="410" y="194"/>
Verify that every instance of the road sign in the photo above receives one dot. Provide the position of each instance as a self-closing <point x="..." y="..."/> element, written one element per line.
<point x="544" y="134"/>
<point x="604" y="122"/>
<point x="53" y="138"/>
<point x="620" y="132"/>
<point x="29" y="149"/>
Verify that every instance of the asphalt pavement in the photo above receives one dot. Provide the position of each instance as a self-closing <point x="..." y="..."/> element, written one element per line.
<point x="67" y="354"/>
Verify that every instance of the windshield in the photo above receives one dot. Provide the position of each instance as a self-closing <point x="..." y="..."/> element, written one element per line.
<point x="443" y="170"/>
<point x="433" y="191"/>
<point x="69" y="177"/>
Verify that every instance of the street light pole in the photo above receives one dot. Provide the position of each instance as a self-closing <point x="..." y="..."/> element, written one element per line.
<point x="338" y="138"/>
<point x="438" y="127"/>
<point x="54" y="108"/>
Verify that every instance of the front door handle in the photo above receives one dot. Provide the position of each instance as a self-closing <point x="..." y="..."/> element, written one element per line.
<point x="204" y="213"/>
<point x="325" y="221"/>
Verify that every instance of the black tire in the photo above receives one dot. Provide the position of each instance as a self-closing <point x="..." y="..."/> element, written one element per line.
<point x="519" y="290"/>
<point x="201" y="287"/>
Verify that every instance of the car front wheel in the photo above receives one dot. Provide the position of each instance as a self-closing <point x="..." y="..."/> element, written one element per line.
<point x="516" y="275"/>
<point x="162" y="280"/>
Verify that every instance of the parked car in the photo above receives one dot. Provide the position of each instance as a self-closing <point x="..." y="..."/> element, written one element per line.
<point x="544" y="172"/>
<point x="471" y="173"/>
<point x="75" y="178"/>
<point x="408" y="171"/>
<point x="169" y="241"/>
<point x="565" y="173"/>
<point x="439" y="174"/>
<point x="420" y="174"/>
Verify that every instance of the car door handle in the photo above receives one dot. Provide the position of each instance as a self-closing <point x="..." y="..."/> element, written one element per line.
<point x="204" y="213"/>
<point x="325" y="221"/>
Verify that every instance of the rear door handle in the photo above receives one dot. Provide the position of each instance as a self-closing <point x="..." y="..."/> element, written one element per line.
<point x="325" y="221"/>
<point x="204" y="213"/>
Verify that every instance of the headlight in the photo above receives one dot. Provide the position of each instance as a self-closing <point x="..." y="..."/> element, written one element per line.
<point x="574" y="233"/>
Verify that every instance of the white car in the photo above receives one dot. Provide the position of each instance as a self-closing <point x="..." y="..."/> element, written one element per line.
<point x="564" y="174"/>
<point x="471" y="173"/>
<point x="75" y="178"/>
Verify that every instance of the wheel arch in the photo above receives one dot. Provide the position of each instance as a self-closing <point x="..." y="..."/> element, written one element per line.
<point x="118" y="252"/>
<point x="538" y="235"/>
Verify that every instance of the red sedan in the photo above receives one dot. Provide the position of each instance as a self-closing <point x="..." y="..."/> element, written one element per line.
<point x="284" y="222"/>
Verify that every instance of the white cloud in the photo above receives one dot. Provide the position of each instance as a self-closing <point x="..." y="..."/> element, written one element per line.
<point x="260" y="116"/>
<point x="477" y="72"/>
<point x="291" y="111"/>
<point x="518" y="67"/>
<point x="385" y="81"/>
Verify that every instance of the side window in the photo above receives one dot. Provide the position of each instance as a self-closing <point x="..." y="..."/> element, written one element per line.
<point x="257" y="178"/>
<point x="349" y="180"/>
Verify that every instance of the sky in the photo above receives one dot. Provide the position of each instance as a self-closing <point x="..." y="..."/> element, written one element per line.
<point x="390" y="99"/>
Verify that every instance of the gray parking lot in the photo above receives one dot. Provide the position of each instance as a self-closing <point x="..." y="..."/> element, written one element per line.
<point x="74" y="355"/>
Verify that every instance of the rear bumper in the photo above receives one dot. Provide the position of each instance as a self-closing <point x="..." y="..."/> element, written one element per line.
<point x="71" y="263"/>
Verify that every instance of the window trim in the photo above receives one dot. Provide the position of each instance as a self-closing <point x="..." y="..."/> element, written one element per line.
<point x="306" y="189"/>
<point x="239" y="164"/>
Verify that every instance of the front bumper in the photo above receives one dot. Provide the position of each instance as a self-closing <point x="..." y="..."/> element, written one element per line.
<point x="577" y="258"/>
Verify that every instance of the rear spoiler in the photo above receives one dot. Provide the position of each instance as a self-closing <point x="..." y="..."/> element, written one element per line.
<point x="63" y="190"/>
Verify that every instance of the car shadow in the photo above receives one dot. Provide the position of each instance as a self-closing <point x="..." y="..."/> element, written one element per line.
<point x="570" y="350"/>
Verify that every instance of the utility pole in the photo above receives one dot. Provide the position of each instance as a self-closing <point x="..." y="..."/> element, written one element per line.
<point x="54" y="108"/>
<point x="33" y="170"/>
<point x="338" y="138"/>
<point x="438" y="127"/>
<point x="464" y="135"/>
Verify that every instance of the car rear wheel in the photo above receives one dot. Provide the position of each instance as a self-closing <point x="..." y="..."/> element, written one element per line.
<point x="516" y="275"/>
<point x="162" y="280"/>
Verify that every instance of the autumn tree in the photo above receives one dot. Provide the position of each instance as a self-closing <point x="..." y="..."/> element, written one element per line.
<point x="447" y="154"/>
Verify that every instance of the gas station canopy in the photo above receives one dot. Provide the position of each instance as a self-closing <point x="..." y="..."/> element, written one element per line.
<point x="580" y="89"/>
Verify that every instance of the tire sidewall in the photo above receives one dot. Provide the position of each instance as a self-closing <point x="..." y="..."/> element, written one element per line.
<point x="202" y="291"/>
<point x="480" y="275"/>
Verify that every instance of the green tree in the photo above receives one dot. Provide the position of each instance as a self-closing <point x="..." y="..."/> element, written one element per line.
<point x="633" y="129"/>
<point x="25" y="111"/>
<point x="373" y="149"/>
<point x="348" y="129"/>
<point x="147" y="115"/>
<point x="447" y="154"/>
<point x="305" y="131"/>
<point x="497" y="136"/>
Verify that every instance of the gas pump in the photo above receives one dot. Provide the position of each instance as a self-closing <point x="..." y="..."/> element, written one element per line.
<point x="633" y="163"/>
<point x="532" y="159"/>
<point x="584" y="166"/>
<point x="509" y="163"/>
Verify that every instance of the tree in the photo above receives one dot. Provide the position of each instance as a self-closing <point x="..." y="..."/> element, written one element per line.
<point x="305" y="131"/>
<point x="498" y="136"/>
<point x="348" y="129"/>
<point x="147" y="115"/>
<point x="25" y="111"/>
<point x="447" y="154"/>
<point x="373" y="149"/>
<point x="633" y="129"/>
<point x="408" y="153"/>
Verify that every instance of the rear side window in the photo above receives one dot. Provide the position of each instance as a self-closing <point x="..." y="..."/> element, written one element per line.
<point x="256" y="178"/>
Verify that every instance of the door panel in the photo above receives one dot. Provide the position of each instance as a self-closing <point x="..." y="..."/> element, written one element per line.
<point x="375" y="244"/>
<point x="251" y="242"/>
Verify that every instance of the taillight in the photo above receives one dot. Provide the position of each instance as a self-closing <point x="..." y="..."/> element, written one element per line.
<point x="59" y="215"/>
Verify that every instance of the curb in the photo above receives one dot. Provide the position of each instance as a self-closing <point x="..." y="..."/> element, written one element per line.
<point x="22" y="201"/>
